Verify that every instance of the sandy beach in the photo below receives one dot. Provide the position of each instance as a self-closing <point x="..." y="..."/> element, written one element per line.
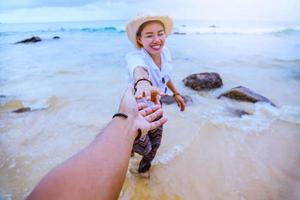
<point x="73" y="86"/>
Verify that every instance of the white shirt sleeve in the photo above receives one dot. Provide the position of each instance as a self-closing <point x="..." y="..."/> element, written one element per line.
<point x="134" y="59"/>
<point x="168" y="65"/>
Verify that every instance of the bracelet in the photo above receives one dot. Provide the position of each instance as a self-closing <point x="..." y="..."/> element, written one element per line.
<point x="125" y="117"/>
<point x="120" y="115"/>
<point x="175" y="94"/>
<point x="141" y="79"/>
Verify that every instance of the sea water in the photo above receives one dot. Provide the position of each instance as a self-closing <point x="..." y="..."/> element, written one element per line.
<point x="73" y="86"/>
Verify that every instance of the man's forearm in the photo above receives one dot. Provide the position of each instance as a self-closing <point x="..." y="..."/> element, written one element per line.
<point x="97" y="172"/>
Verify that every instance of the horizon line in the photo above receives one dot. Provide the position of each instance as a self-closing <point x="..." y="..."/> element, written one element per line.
<point x="94" y="20"/>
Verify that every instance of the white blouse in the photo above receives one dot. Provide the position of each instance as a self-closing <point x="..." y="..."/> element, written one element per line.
<point x="159" y="77"/>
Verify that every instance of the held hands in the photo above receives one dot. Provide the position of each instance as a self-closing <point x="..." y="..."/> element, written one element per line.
<point x="142" y="117"/>
<point x="180" y="102"/>
<point x="144" y="89"/>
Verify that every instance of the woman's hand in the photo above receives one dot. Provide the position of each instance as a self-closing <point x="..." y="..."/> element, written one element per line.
<point x="144" y="89"/>
<point x="180" y="102"/>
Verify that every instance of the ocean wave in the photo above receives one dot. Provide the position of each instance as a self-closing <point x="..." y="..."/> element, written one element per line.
<point x="178" y="30"/>
<point x="4" y="34"/>
<point x="105" y="29"/>
<point x="290" y="114"/>
<point x="186" y="30"/>
<point x="261" y="119"/>
<point x="169" y="155"/>
<point x="193" y="30"/>
<point x="102" y="29"/>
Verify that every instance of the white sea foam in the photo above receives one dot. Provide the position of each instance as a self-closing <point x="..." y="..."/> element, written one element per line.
<point x="169" y="155"/>
<point x="260" y="117"/>
<point x="232" y="30"/>
<point x="290" y="114"/>
<point x="263" y="116"/>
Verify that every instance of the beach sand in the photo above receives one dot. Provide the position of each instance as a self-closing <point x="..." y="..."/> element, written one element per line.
<point x="73" y="86"/>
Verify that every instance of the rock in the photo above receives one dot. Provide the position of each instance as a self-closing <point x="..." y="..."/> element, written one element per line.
<point x="179" y="33"/>
<point x="30" y="40"/>
<point x="56" y="37"/>
<point x="21" y="110"/>
<point x="168" y="99"/>
<point x="2" y="96"/>
<point x="241" y="93"/>
<point x="213" y="26"/>
<point x="239" y="112"/>
<point x="203" y="81"/>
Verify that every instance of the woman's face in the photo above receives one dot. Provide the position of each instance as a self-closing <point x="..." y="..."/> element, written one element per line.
<point x="152" y="38"/>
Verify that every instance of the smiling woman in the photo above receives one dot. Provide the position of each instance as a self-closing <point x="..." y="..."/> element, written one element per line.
<point x="149" y="69"/>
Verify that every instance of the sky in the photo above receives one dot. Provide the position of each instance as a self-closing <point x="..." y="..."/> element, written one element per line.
<point x="15" y="11"/>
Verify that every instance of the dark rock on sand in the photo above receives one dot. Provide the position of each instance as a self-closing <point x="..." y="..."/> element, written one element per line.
<point x="241" y="112"/>
<point x="179" y="33"/>
<point x="21" y="110"/>
<point x="30" y="40"/>
<point x="203" y="81"/>
<point x="168" y="99"/>
<point x="241" y="93"/>
<point x="56" y="37"/>
<point x="238" y="112"/>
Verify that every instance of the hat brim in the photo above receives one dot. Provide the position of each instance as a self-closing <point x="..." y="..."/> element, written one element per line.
<point x="133" y="26"/>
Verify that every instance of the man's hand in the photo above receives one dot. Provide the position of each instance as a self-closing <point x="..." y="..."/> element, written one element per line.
<point x="143" y="117"/>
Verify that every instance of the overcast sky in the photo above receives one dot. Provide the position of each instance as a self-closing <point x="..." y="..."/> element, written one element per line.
<point x="79" y="10"/>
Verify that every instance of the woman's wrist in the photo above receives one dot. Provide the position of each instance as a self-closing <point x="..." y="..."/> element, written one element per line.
<point x="142" y="82"/>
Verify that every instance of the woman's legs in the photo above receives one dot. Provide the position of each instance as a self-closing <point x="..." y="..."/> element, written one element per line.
<point x="155" y="140"/>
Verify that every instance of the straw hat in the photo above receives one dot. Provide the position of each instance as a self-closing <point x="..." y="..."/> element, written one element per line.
<point x="133" y="25"/>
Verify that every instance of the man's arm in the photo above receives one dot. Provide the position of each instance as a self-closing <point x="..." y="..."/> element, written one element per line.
<point x="99" y="170"/>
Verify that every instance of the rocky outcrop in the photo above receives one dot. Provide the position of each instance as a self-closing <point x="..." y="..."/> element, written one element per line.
<point x="241" y="93"/>
<point x="30" y="40"/>
<point x="21" y="110"/>
<point x="168" y="99"/>
<point x="56" y="37"/>
<point x="203" y="81"/>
